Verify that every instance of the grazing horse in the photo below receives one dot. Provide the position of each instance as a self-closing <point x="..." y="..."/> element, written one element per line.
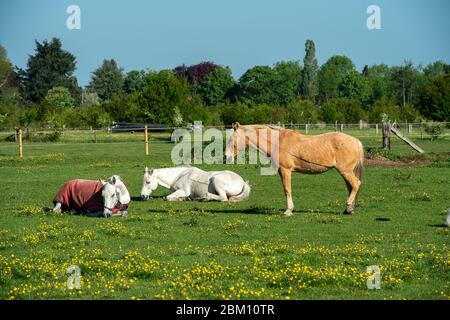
<point x="190" y="183"/>
<point x="290" y="151"/>
<point x="93" y="197"/>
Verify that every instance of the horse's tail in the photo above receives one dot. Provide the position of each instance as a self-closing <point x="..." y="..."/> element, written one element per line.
<point x="244" y="195"/>
<point x="359" y="168"/>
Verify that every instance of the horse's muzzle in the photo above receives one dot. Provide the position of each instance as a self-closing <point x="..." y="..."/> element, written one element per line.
<point x="144" y="197"/>
<point x="107" y="212"/>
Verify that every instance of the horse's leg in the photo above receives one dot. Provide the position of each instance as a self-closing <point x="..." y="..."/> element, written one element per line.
<point x="216" y="185"/>
<point x="353" y="184"/>
<point x="178" y="195"/>
<point x="57" y="208"/>
<point x="221" y="197"/>
<point x="285" y="175"/>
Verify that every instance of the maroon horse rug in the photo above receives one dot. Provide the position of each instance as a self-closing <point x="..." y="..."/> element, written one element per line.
<point x="93" y="197"/>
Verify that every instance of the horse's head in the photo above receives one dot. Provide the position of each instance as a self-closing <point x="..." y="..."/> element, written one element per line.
<point x="235" y="143"/>
<point x="110" y="193"/>
<point x="149" y="184"/>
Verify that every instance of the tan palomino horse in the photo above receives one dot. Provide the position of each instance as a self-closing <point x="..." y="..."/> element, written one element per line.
<point x="290" y="151"/>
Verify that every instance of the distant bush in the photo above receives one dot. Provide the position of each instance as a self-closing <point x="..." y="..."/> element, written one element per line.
<point x="383" y="153"/>
<point x="342" y="110"/>
<point x="434" y="129"/>
<point x="302" y="111"/>
<point x="384" y="106"/>
<point x="232" y="113"/>
<point x="54" y="136"/>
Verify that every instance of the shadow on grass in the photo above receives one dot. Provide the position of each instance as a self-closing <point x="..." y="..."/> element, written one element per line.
<point x="440" y="225"/>
<point x="256" y="211"/>
<point x="139" y="199"/>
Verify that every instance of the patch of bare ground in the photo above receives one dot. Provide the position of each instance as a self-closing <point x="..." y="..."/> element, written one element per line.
<point x="372" y="160"/>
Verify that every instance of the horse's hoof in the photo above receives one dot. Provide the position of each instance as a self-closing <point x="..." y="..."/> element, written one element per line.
<point x="288" y="213"/>
<point x="120" y="214"/>
<point x="348" y="212"/>
<point x="57" y="210"/>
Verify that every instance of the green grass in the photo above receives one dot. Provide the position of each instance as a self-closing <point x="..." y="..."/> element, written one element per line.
<point x="201" y="250"/>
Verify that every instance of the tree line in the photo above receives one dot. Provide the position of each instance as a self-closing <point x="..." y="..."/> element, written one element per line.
<point x="47" y="93"/>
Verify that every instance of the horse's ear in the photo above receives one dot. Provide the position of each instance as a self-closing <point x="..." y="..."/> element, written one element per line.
<point x="236" y="126"/>
<point x="146" y="169"/>
<point x="102" y="182"/>
<point x="113" y="180"/>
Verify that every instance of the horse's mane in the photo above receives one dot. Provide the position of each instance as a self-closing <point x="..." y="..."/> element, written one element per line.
<point x="263" y="126"/>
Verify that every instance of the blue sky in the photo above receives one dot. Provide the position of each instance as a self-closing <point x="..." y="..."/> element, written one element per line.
<point x="237" y="33"/>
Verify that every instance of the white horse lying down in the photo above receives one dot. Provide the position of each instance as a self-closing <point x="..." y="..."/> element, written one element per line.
<point x="93" y="197"/>
<point x="190" y="183"/>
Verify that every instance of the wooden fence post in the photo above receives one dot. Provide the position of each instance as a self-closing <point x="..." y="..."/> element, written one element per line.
<point x="306" y="128"/>
<point x="20" y="144"/>
<point x="342" y="127"/>
<point x="387" y="135"/>
<point x="146" y="139"/>
<point x="376" y="129"/>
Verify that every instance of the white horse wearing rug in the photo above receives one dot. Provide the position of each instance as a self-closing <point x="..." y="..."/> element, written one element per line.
<point x="93" y="197"/>
<point x="190" y="183"/>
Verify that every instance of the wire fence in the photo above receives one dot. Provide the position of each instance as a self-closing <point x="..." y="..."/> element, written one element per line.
<point x="102" y="135"/>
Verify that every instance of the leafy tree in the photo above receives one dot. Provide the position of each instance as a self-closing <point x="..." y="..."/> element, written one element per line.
<point x="276" y="86"/>
<point x="134" y="81"/>
<point x="331" y="75"/>
<point x="161" y="95"/>
<point x="9" y="80"/>
<point x="379" y="80"/>
<point x="27" y="116"/>
<point x="195" y="74"/>
<point x="216" y="85"/>
<point x="384" y="106"/>
<point x="59" y="98"/>
<point x="232" y="113"/>
<point x="199" y="112"/>
<point x="6" y="69"/>
<point x="435" y="69"/>
<point x="289" y="80"/>
<point x="49" y="67"/>
<point x="302" y="111"/>
<point x="256" y="86"/>
<point x="95" y="116"/>
<point x="261" y="114"/>
<point x="107" y="80"/>
<point x="409" y="113"/>
<point x="85" y="117"/>
<point x="434" y="99"/>
<point x="124" y="108"/>
<point x="355" y="86"/>
<point x="89" y="98"/>
<point x="309" y="80"/>
<point x="405" y="82"/>
<point x="342" y="110"/>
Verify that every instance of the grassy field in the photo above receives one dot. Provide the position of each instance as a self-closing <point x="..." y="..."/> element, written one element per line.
<point x="198" y="250"/>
